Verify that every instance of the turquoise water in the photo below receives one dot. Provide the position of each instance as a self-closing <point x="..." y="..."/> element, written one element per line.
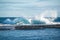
<point x="14" y="20"/>
<point x="42" y="34"/>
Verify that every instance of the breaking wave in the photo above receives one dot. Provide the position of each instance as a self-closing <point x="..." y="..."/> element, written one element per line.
<point x="46" y="17"/>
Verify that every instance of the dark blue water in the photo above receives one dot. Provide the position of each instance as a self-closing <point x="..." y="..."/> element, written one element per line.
<point x="42" y="34"/>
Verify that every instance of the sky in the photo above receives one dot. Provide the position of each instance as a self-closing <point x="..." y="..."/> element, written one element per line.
<point x="17" y="8"/>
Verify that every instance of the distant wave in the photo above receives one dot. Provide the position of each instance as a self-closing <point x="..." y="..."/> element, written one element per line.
<point x="15" y="20"/>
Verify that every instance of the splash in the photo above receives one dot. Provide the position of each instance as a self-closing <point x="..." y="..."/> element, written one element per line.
<point x="50" y="14"/>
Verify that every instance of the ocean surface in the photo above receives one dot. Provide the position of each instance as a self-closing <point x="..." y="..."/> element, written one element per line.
<point x="41" y="34"/>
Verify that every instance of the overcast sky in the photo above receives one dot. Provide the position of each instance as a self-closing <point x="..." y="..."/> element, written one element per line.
<point x="17" y="8"/>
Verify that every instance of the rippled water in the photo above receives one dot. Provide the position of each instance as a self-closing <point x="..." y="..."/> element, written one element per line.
<point x="42" y="34"/>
